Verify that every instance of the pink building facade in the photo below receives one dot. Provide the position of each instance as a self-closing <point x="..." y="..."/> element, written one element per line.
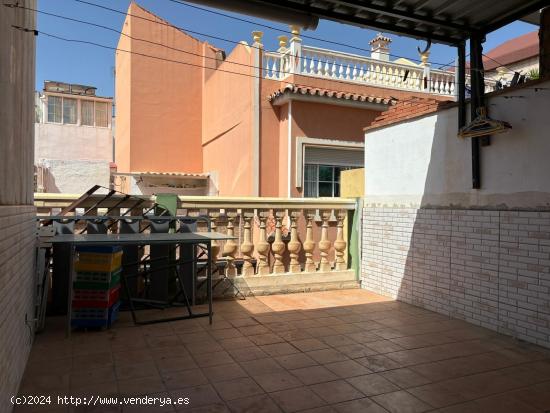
<point x="279" y="124"/>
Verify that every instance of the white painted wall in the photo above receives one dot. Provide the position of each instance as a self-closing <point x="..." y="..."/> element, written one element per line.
<point x="74" y="176"/>
<point x="71" y="142"/>
<point x="422" y="162"/>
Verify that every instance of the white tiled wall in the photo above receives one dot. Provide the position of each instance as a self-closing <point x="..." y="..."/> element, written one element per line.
<point x="17" y="281"/>
<point x="488" y="267"/>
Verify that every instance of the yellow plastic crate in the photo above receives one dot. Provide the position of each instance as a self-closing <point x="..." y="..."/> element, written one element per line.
<point x="98" y="262"/>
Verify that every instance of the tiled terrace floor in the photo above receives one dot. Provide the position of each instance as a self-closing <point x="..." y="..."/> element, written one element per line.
<point x="342" y="351"/>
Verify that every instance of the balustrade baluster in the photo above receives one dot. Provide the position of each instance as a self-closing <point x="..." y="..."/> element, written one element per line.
<point x="341" y="70"/>
<point x="361" y="72"/>
<point x="294" y="245"/>
<point x="348" y="71"/>
<point x="324" y="243"/>
<point x="327" y="68"/>
<point x="274" y="71"/>
<point x="319" y="66"/>
<point x="230" y="247"/>
<point x="262" y="246"/>
<point x="333" y="69"/>
<point x="304" y="63"/>
<point x="354" y="72"/>
<point x="309" y="244"/>
<point x="247" y="247"/>
<point x="340" y="243"/>
<point x="278" y="245"/>
<point x="214" y="245"/>
<point x="312" y="64"/>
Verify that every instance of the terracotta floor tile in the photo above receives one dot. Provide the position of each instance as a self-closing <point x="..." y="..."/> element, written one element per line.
<point x="401" y="402"/>
<point x="224" y="372"/>
<point x="135" y="371"/>
<point x="225" y="333"/>
<point x="314" y="374"/>
<point x="184" y="378"/>
<point x="337" y="341"/>
<point x="190" y="337"/>
<point x="133" y="356"/>
<point x="295" y="361"/>
<point x="214" y="359"/>
<point x="300" y="398"/>
<point x="383" y="346"/>
<point x="211" y="408"/>
<point x="504" y="403"/>
<point x="236" y="343"/>
<point x="254" y="330"/>
<point x="175" y="364"/>
<point x="248" y="354"/>
<point x="292" y="335"/>
<point x="373" y="384"/>
<point x="92" y="361"/>
<point x="328" y="355"/>
<point x="261" y="366"/>
<point x="336" y="391"/>
<point x="279" y="349"/>
<point x="347" y="368"/>
<point x="263" y="339"/>
<point x="163" y="341"/>
<point x="141" y="386"/>
<point x="405" y="378"/>
<point x="238" y="388"/>
<point x="321" y="409"/>
<point x="379" y="363"/>
<point x="320" y="331"/>
<point x="202" y="347"/>
<point x="243" y="322"/>
<point x="355" y="351"/>
<point x="537" y="395"/>
<point x="309" y="344"/>
<point x="437" y="395"/>
<point x="276" y="381"/>
<point x="203" y="395"/>
<point x="84" y="377"/>
<point x="254" y="404"/>
<point x="364" y="405"/>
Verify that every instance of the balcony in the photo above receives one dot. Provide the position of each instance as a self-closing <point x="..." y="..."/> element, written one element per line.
<point x="283" y="245"/>
<point x="334" y="65"/>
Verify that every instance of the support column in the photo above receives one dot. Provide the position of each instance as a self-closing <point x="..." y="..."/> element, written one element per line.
<point x="478" y="89"/>
<point x="544" y="43"/>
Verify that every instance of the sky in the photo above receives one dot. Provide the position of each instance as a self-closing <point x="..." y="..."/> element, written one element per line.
<point x="90" y="65"/>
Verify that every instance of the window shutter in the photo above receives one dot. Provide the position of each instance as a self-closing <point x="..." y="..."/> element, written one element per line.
<point x="334" y="156"/>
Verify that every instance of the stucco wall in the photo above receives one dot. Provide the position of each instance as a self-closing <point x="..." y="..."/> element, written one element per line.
<point x="161" y="101"/>
<point x="17" y="225"/>
<point x="72" y="142"/>
<point x="227" y="123"/>
<point x="74" y="176"/>
<point x="422" y="162"/>
<point x="479" y="255"/>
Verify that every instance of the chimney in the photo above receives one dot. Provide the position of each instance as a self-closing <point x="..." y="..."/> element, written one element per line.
<point x="379" y="48"/>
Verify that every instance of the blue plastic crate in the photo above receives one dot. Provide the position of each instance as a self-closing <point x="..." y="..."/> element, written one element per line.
<point x="88" y="322"/>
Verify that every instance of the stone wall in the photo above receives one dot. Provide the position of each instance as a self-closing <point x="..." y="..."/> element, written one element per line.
<point x="487" y="267"/>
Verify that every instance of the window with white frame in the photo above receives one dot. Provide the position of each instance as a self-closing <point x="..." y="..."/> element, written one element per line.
<point x="87" y="112"/>
<point x="322" y="180"/>
<point x="55" y="110"/>
<point x="101" y="114"/>
<point x="69" y="111"/>
<point x="322" y="167"/>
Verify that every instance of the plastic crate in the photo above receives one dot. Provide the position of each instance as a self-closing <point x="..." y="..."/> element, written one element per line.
<point x="83" y="318"/>
<point x="98" y="262"/>
<point x="97" y="280"/>
<point x="95" y="298"/>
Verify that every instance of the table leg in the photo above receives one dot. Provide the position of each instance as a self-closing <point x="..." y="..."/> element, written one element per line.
<point x="209" y="279"/>
<point x="70" y="290"/>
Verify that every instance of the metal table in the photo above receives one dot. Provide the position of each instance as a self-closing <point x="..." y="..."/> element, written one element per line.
<point x="75" y="240"/>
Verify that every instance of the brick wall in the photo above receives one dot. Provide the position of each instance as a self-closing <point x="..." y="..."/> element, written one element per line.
<point x="17" y="281"/>
<point x="488" y="267"/>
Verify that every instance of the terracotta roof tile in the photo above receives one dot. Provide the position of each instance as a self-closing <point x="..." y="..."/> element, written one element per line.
<point x="514" y="50"/>
<point x="406" y="109"/>
<point x="304" y="90"/>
